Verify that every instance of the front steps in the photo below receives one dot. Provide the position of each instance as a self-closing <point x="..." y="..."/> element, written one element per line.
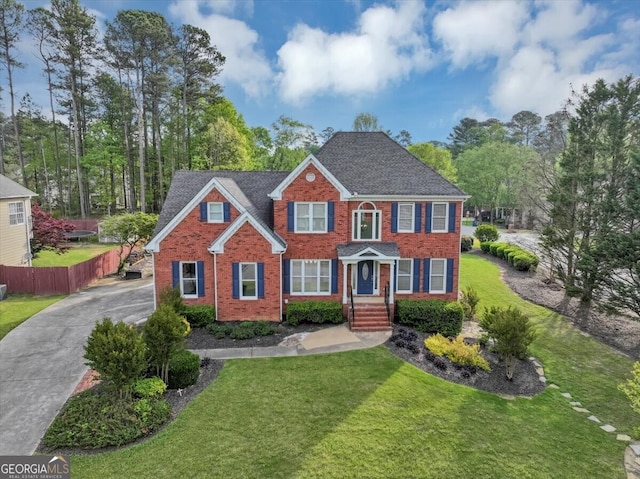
<point x="370" y="317"/>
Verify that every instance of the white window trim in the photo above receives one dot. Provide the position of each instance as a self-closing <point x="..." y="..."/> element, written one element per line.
<point x="17" y="214"/>
<point x="356" y="221"/>
<point x="444" y="276"/>
<point x="311" y="204"/>
<point x="209" y="219"/>
<point x="446" y="218"/>
<point x="240" y="281"/>
<point x="413" y="218"/>
<point x="303" y="293"/>
<point x="403" y="291"/>
<point x="182" y="279"/>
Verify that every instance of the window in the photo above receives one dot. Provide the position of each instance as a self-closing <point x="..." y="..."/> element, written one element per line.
<point x="16" y="213"/>
<point x="406" y="216"/>
<point x="215" y="213"/>
<point x="404" y="276"/>
<point x="188" y="279"/>
<point x="439" y="219"/>
<point x="310" y="276"/>
<point x="437" y="276"/>
<point x="311" y="218"/>
<point x="366" y="223"/>
<point x="248" y="281"/>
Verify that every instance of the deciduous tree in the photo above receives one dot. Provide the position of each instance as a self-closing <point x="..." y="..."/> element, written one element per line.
<point x="48" y="232"/>
<point x="437" y="158"/>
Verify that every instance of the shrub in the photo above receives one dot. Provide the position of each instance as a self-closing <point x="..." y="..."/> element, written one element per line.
<point x="93" y="419"/>
<point x="519" y="258"/>
<point x="631" y="389"/>
<point x="184" y="369"/>
<point x="485" y="245"/>
<point x="200" y="315"/>
<point x="171" y="297"/>
<point x="149" y="388"/>
<point x="117" y="352"/>
<point x="457" y="351"/>
<point x="431" y="315"/>
<point x="469" y="302"/>
<point x="486" y="233"/>
<point x="512" y="333"/>
<point x="219" y="330"/>
<point x="493" y="248"/>
<point x="263" y="328"/>
<point x="314" y="312"/>
<point x="466" y="243"/>
<point x="164" y="334"/>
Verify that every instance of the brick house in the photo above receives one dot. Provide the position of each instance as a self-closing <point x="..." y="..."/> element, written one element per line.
<point x="361" y="221"/>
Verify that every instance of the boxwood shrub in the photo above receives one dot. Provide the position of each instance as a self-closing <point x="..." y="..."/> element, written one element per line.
<point x="466" y="243"/>
<point x="485" y="245"/>
<point x="199" y="315"/>
<point x="431" y="315"/>
<point x="314" y="312"/>
<point x="486" y="232"/>
<point x="184" y="369"/>
<point x="519" y="258"/>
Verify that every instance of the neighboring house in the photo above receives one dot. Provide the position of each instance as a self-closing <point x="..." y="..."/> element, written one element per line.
<point x="361" y="217"/>
<point x="15" y="223"/>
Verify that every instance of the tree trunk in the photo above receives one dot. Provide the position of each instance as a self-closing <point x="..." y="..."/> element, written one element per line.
<point x="16" y="130"/>
<point x="76" y="138"/>
<point x="141" y="139"/>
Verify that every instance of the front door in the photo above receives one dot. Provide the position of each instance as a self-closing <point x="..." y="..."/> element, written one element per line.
<point x="365" y="277"/>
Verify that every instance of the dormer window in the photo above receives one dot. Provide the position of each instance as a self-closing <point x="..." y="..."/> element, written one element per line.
<point x="366" y="223"/>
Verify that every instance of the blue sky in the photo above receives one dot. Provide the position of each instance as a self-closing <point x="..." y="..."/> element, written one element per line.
<point x="418" y="66"/>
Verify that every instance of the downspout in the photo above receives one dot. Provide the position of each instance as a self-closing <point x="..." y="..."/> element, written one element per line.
<point x="281" y="293"/>
<point x="215" y="283"/>
<point x="27" y="221"/>
<point x="153" y="264"/>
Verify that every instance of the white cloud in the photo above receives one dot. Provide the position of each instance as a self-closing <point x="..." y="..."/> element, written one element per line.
<point x="229" y="7"/>
<point x="387" y="45"/>
<point x="474" y="111"/>
<point x="472" y="31"/>
<point x="245" y="63"/>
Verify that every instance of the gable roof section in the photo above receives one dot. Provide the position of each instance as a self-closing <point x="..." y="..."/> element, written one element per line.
<point x="371" y="163"/>
<point x="368" y="249"/>
<point x="276" y="194"/>
<point x="246" y="190"/>
<point x="277" y="245"/>
<point x="10" y="189"/>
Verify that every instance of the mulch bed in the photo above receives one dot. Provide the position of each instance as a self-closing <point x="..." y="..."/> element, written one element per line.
<point x="526" y="381"/>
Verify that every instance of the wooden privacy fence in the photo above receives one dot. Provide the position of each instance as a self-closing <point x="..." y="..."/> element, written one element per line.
<point x="58" y="279"/>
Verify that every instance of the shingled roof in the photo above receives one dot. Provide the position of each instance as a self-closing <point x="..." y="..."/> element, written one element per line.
<point x="371" y="163"/>
<point x="250" y="188"/>
<point x="11" y="189"/>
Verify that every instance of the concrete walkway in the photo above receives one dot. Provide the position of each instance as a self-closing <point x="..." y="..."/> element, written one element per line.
<point x="328" y="340"/>
<point x="41" y="361"/>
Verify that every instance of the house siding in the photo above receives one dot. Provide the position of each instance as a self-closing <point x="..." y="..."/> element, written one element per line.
<point x="247" y="245"/>
<point x="14" y="239"/>
<point x="189" y="241"/>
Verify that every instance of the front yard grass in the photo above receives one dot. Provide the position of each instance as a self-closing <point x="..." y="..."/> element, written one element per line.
<point x="368" y="414"/>
<point x="77" y="254"/>
<point x="17" y="308"/>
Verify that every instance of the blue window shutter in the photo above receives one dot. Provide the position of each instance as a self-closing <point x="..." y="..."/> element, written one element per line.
<point x="452" y="217"/>
<point x="427" y="275"/>
<point x="418" y="219"/>
<point x="334" y="276"/>
<point x="427" y="223"/>
<point x="286" y="267"/>
<point x="235" y="279"/>
<point x="290" y="218"/>
<point x="204" y="214"/>
<point x="394" y="217"/>
<point x="175" y="273"/>
<point x="450" y="275"/>
<point x="416" y="275"/>
<point x="200" y="279"/>
<point x="260" y="280"/>
<point x="330" y="213"/>
<point x="226" y="211"/>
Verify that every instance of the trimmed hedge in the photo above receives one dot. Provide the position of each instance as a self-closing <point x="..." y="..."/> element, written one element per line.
<point x="486" y="232"/>
<point x="519" y="258"/>
<point x="199" y="315"/>
<point x="184" y="369"/>
<point x="431" y="315"/>
<point x="314" y="312"/>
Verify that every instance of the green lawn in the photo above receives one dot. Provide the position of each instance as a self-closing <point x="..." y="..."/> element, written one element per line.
<point x="17" y="308"/>
<point x="366" y="414"/>
<point x="77" y="254"/>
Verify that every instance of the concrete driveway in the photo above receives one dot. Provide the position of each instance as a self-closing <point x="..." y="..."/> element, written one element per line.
<point x="41" y="360"/>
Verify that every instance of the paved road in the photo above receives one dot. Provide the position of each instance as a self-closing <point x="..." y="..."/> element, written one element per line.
<point x="41" y="360"/>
